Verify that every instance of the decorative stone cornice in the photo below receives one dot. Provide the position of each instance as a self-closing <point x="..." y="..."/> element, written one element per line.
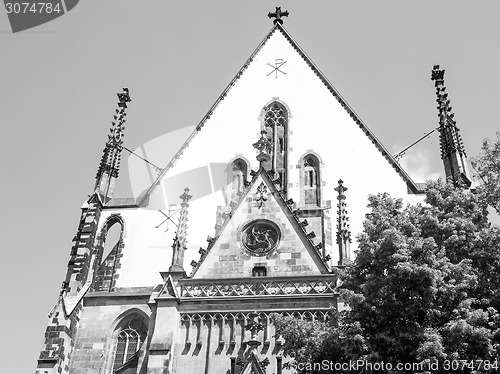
<point x="319" y="285"/>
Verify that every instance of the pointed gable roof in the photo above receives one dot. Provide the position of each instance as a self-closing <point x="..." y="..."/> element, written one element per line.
<point x="412" y="186"/>
<point x="168" y="289"/>
<point x="253" y="365"/>
<point x="227" y="257"/>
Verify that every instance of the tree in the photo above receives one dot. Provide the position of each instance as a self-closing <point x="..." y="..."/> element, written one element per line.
<point x="424" y="286"/>
<point x="487" y="165"/>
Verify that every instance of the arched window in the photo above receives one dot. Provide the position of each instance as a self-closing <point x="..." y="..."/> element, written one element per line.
<point x="276" y="125"/>
<point x="237" y="177"/>
<point x="111" y="237"/>
<point x="131" y="336"/>
<point x="311" y="180"/>
<point x="108" y="253"/>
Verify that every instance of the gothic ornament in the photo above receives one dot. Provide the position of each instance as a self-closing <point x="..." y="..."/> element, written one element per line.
<point x="179" y="245"/>
<point x="277" y="15"/>
<point x="343" y="230"/>
<point x="261" y="195"/>
<point x="264" y="146"/>
<point x="110" y="161"/>
<point x="452" y="148"/>
<point x="260" y="237"/>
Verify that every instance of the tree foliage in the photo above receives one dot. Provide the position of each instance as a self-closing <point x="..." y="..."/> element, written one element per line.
<point x="424" y="287"/>
<point x="487" y="165"/>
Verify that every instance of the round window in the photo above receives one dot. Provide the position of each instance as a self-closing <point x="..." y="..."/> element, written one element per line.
<point x="260" y="236"/>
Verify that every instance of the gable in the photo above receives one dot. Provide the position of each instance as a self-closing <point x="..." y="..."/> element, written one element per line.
<point x="319" y="122"/>
<point x="299" y="76"/>
<point x="253" y="365"/>
<point x="237" y="250"/>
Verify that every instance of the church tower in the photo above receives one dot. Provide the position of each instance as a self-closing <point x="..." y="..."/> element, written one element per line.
<point x="258" y="226"/>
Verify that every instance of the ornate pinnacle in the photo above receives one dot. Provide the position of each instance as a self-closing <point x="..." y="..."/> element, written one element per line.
<point x="343" y="232"/>
<point x="179" y="245"/>
<point x="110" y="161"/>
<point x="185" y="197"/>
<point x="264" y="146"/>
<point x="452" y="148"/>
<point x="181" y="230"/>
<point x="450" y="139"/>
<point x="277" y="15"/>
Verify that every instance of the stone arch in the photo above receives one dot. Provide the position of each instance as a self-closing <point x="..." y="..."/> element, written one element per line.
<point x="238" y="171"/>
<point x="129" y="334"/>
<point x="310" y="179"/>
<point x="275" y="119"/>
<point x="106" y="264"/>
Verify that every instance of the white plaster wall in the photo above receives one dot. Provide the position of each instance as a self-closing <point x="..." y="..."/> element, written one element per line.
<point x="318" y="123"/>
<point x="146" y="251"/>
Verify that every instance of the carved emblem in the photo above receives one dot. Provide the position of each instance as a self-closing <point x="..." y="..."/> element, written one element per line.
<point x="260" y="237"/>
<point x="278" y="63"/>
<point x="261" y="195"/>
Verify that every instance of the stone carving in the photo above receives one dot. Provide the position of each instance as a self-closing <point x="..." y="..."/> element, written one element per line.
<point x="260" y="237"/>
<point x="259" y="288"/>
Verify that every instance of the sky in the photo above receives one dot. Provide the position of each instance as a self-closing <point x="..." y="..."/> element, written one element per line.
<point x="58" y="85"/>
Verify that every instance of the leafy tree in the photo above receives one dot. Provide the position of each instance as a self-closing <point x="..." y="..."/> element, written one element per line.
<point x="487" y="165"/>
<point x="424" y="286"/>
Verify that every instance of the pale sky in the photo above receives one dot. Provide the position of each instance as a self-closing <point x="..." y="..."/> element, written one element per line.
<point x="58" y="85"/>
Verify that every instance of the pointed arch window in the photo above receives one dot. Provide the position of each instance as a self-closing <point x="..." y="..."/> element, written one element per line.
<point x="129" y="340"/>
<point x="276" y="125"/>
<point x="110" y="246"/>
<point x="311" y="180"/>
<point x="237" y="174"/>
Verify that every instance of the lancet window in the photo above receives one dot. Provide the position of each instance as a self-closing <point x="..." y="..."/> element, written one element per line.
<point x="311" y="180"/>
<point x="129" y="340"/>
<point x="276" y="125"/>
<point x="237" y="177"/>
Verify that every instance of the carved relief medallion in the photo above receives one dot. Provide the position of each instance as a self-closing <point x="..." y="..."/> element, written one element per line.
<point x="260" y="237"/>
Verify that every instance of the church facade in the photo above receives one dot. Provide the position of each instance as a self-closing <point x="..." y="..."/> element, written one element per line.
<point x="259" y="225"/>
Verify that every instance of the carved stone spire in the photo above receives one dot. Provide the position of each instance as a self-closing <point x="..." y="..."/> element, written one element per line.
<point x="343" y="232"/>
<point x="110" y="161"/>
<point x="452" y="148"/>
<point x="264" y="146"/>
<point x="180" y="240"/>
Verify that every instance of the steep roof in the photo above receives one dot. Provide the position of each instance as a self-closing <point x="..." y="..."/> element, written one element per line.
<point x="412" y="186"/>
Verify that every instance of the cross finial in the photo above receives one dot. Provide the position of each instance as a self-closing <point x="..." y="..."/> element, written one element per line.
<point x="277" y="15"/>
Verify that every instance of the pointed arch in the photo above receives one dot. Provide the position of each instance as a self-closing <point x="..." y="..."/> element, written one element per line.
<point x="106" y="264"/>
<point x="130" y="331"/>
<point x="237" y="178"/>
<point x="275" y="120"/>
<point x="310" y="179"/>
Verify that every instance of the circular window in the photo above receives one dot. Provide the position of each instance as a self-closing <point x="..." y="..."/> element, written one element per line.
<point x="260" y="237"/>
